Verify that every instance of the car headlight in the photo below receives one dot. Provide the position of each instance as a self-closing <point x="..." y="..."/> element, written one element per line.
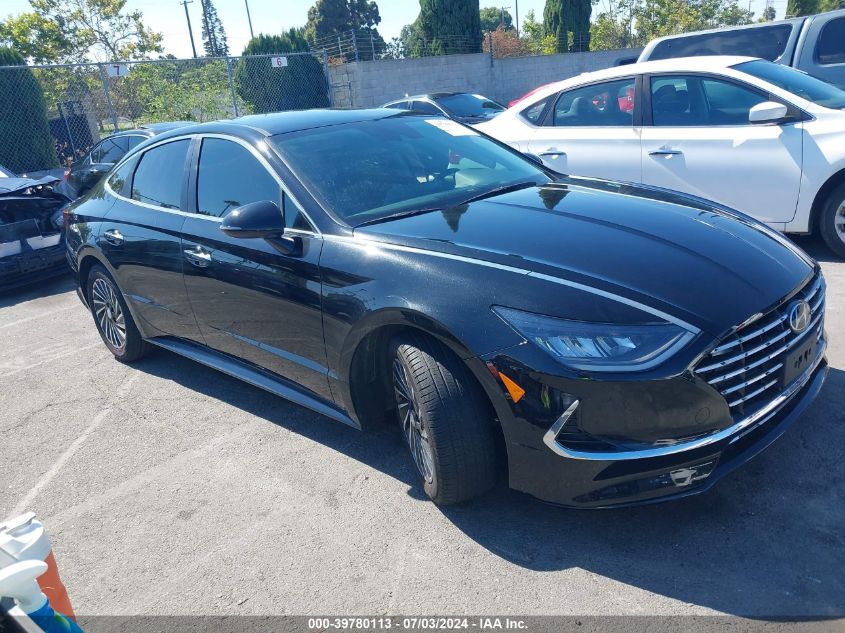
<point x="607" y="347"/>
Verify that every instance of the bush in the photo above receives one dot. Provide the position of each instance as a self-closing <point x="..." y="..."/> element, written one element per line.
<point x="25" y="140"/>
<point x="299" y="86"/>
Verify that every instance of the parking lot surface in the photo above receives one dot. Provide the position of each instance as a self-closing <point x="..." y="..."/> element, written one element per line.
<point x="169" y="488"/>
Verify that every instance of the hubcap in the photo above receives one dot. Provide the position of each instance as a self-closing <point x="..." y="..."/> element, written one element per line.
<point x="839" y="221"/>
<point x="108" y="313"/>
<point x="415" y="433"/>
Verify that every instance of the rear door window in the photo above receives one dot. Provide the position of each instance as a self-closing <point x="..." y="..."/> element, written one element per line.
<point x="160" y="177"/>
<point x="831" y="46"/>
<point x="425" y="107"/>
<point x="597" y="105"/>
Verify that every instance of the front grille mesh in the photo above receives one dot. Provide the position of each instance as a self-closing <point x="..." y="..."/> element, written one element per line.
<point x="746" y="366"/>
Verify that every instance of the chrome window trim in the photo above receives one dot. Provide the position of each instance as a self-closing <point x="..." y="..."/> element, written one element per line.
<point x="202" y="135"/>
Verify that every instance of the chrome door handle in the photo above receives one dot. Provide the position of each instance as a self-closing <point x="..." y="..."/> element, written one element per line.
<point x="113" y="237"/>
<point x="553" y="152"/>
<point x="665" y="152"/>
<point x="199" y="257"/>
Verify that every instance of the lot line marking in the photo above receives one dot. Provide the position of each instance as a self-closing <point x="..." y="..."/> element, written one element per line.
<point x="37" y="316"/>
<point x="47" y="477"/>
<point x="50" y="359"/>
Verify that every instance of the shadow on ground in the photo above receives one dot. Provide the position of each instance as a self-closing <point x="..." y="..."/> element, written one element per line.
<point x="46" y="288"/>
<point x="767" y="541"/>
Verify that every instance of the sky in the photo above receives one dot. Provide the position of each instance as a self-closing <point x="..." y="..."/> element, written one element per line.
<point x="274" y="16"/>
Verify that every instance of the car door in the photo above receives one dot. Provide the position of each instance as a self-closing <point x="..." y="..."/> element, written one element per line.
<point x="591" y="131"/>
<point x="252" y="300"/>
<point x="700" y="141"/>
<point x="140" y="238"/>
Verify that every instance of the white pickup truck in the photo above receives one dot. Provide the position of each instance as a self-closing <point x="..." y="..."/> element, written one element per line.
<point x="814" y="44"/>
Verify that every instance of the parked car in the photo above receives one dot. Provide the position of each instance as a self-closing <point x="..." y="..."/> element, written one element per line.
<point x="90" y="169"/>
<point x="32" y="245"/>
<point x="750" y="134"/>
<point x="602" y="343"/>
<point x="814" y="44"/>
<point x="460" y="106"/>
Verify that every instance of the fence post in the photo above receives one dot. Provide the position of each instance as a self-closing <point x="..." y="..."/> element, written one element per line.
<point x="490" y="46"/>
<point x="105" y="79"/>
<point x="325" y="55"/>
<point x="355" y="44"/>
<point x="232" y="86"/>
<point x="372" y="46"/>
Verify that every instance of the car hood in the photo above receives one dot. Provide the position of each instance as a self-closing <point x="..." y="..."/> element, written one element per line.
<point x="705" y="264"/>
<point x="10" y="186"/>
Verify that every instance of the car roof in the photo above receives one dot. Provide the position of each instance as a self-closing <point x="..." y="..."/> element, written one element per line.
<point x="675" y="64"/>
<point x="285" y="122"/>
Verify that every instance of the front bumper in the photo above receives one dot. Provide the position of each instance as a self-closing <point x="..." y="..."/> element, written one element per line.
<point x="586" y="478"/>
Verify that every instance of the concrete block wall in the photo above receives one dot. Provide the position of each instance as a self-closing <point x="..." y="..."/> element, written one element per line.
<point x="372" y="83"/>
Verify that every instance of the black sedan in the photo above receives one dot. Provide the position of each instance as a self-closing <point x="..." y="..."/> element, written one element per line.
<point x="600" y="343"/>
<point x="90" y="169"/>
<point x="460" y="106"/>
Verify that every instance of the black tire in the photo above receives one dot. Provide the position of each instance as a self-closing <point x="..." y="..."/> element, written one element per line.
<point x="833" y="216"/>
<point x="109" y="309"/>
<point x="452" y="419"/>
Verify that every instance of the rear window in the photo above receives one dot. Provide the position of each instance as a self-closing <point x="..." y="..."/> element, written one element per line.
<point x="766" y="42"/>
<point x="831" y="46"/>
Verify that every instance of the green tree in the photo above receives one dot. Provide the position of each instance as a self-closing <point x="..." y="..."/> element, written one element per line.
<point x="562" y="17"/>
<point x="79" y="30"/>
<point x="493" y="17"/>
<point x="298" y="86"/>
<point x="534" y="34"/>
<point x="213" y="34"/>
<point x="768" y="14"/>
<point x="632" y="23"/>
<point x="796" y="8"/>
<point x="328" y="19"/>
<point x="451" y="26"/>
<point x="27" y="143"/>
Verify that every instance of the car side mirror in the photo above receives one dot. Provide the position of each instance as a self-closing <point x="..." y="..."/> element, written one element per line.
<point x="767" y="112"/>
<point x="263" y="219"/>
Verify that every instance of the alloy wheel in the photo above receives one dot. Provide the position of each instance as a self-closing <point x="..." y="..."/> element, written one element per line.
<point x="108" y="313"/>
<point x="414" y="430"/>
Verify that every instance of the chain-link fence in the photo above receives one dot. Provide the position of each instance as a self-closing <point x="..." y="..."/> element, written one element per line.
<point x="52" y="115"/>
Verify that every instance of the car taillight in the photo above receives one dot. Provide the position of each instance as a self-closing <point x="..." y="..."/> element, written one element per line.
<point x="67" y="173"/>
<point x="65" y="217"/>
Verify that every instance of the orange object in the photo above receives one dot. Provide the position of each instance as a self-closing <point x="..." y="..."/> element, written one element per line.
<point x="514" y="389"/>
<point x="53" y="587"/>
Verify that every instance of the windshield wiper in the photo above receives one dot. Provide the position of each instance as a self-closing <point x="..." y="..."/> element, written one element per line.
<point x="499" y="191"/>
<point x="397" y="215"/>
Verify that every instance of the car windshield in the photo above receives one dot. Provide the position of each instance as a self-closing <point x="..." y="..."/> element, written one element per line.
<point x="468" y="105"/>
<point x="370" y="170"/>
<point x="798" y="83"/>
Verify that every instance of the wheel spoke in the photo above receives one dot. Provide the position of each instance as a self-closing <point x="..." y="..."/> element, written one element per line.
<point x="108" y="313"/>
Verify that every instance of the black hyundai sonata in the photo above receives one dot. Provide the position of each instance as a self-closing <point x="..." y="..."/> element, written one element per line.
<point x="601" y="343"/>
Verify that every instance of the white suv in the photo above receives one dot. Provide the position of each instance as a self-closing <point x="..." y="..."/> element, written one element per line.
<point x="760" y="137"/>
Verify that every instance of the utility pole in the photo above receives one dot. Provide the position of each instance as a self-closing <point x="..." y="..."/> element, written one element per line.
<point x="185" y="4"/>
<point x="516" y="16"/>
<point x="249" y="19"/>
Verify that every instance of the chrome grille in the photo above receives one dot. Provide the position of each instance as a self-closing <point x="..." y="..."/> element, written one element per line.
<point x="746" y="367"/>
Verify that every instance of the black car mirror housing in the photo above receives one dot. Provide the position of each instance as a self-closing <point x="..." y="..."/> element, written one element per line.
<point x="263" y="219"/>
